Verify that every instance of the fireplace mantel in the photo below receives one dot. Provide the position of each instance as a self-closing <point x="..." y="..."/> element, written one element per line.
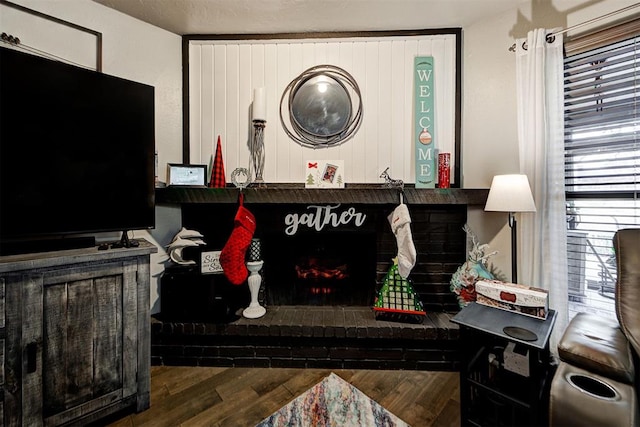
<point x="297" y="193"/>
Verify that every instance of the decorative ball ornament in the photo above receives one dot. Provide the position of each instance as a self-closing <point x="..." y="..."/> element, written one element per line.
<point x="425" y="137"/>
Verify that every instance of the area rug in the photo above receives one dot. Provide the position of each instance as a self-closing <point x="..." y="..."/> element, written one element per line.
<point x="332" y="402"/>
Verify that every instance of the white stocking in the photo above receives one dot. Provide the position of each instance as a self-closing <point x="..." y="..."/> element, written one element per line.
<point x="400" y="222"/>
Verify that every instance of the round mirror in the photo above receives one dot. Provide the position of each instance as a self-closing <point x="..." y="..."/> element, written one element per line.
<point x="323" y="105"/>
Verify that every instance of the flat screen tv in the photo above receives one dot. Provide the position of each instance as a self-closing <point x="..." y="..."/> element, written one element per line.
<point x="77" y="154"/>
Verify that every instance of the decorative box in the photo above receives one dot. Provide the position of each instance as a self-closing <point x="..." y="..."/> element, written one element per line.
<point x="514" y="297"/>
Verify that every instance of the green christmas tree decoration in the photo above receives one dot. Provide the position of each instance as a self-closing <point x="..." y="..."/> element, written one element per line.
<point x="397" y="300"/>
<point x="310" y="180"/>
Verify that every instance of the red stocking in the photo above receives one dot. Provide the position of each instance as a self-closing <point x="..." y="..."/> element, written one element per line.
<point x="232" y="257"/>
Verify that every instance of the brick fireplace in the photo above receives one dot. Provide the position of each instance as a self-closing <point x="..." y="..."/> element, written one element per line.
<point x="318" y="321"/>
<point x="437" y="232"/>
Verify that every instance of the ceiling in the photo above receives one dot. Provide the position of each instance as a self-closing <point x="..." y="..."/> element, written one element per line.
<point x="286" y="16"/>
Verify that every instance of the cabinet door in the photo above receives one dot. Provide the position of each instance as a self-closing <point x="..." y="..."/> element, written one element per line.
<point x="23" y="344"/>
<point x="78" y="340"/>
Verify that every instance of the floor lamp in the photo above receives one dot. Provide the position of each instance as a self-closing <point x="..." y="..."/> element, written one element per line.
<point x="511" y="193"/>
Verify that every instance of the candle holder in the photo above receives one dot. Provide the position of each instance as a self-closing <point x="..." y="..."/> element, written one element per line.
<point x="255" y="310"/>
<point x="256" y="150"/>
<point x="255" y="250"/>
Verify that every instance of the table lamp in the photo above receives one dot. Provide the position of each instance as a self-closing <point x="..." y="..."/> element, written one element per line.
<point x="511" y="193"/>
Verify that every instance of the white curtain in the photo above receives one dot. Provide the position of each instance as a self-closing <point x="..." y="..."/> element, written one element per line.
<point x="543" y="253"/>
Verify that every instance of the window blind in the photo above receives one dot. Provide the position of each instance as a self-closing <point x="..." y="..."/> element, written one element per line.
<point x="602" y="161"/>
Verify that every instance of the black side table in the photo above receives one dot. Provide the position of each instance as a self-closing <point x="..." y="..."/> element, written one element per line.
<point x="505" y="367"/>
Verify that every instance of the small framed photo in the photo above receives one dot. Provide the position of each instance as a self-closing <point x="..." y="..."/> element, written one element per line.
<point x="187" y="175"/>
<point x="324" y="174"/>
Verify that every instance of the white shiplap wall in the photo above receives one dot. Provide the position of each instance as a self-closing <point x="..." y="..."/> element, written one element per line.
<point x="223" y="74"/>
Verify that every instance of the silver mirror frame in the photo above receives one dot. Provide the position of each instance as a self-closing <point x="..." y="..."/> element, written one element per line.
<point x="330" y="121"/>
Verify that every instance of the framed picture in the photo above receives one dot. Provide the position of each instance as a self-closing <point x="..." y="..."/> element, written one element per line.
<point x="324" y="174"/>
<point x="187" y="175"/>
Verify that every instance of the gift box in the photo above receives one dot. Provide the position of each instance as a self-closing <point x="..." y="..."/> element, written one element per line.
<point x="513" y="297"/>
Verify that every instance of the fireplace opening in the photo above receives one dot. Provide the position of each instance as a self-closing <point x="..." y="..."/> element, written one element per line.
<point x="320" y="268"/>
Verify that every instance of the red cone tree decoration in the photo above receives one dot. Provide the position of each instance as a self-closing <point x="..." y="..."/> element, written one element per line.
<point x="217" y="171"/>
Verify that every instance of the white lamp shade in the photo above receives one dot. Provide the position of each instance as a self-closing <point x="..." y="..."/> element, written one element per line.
<point x="510" y="193"/>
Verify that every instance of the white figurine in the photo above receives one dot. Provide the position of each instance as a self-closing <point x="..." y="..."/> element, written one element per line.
<point x="185" y="233"/>
<point x="175" y="250"/>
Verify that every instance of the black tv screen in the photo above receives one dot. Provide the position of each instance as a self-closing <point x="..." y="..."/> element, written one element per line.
<point x="77" y="151"/>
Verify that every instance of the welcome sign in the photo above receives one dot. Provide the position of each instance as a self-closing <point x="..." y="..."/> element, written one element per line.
<point x="423" y="126"/>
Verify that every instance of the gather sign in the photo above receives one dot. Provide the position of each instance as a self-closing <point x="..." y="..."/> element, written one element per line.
<point x="318" y="217"/>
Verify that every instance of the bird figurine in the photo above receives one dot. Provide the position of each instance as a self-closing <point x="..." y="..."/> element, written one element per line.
<point x="186" y="233"/>
<point x="183" y="239"/>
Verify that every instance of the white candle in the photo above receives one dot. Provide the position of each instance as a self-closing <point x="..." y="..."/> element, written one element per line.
<point x="259" y="104"/>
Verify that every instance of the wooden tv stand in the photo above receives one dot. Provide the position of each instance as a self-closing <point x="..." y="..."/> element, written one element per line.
<point x="74" y="334"/>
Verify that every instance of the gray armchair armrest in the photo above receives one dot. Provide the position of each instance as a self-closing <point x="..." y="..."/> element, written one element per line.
<point x="599" y="346"/>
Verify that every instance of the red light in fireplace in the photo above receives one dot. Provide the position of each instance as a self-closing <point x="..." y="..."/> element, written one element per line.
<point x="320" y="290"/>
<point x="314" y="268"/>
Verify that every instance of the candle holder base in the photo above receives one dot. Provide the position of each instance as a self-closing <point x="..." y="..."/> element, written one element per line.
<point x="254" y="312"/>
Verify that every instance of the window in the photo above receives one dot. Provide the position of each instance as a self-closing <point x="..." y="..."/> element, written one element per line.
<point x="602" y="158"/>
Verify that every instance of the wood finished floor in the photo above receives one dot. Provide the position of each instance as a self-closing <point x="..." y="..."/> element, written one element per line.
<point x="242" y="397"/>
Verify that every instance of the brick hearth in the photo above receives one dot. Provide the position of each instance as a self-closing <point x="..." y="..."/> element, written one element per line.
<point x="310" y="337"/>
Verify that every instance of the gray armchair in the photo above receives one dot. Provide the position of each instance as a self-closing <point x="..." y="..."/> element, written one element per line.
<point x="596" y="383"/>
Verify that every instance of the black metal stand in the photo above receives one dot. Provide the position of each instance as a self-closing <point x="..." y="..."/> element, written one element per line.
<point x="514" y="247"/>
<point x="125" y="242"/>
